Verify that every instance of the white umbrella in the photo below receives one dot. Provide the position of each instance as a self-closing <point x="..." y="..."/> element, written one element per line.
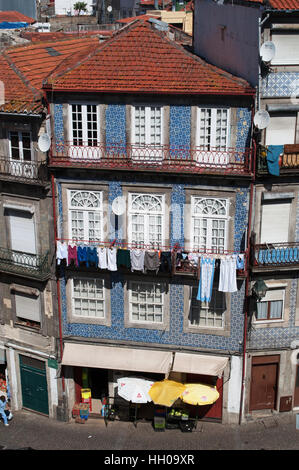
<point x="134" y="389"/>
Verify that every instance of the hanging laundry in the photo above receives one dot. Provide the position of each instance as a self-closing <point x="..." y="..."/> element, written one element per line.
<point x="240" y="261"/>
<point x="165" y="259"/>
<point x="92" y="256"/>
<point x="137" y="260"/>
<point x="72" y="255"/>
<point x="123" y="258"/>
<point x="61" y="252"/>
<point x="205" y="285"/>
<point x="82" y="254"/>
<point x="228" y="274"/>
<point x="151" y="261"/>
<point x="102" y="258"/>
<point x="111" y="258"/>
<point x="193" y="258"/>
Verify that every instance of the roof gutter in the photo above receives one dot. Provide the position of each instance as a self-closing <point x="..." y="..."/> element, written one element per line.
<point x="20" y="114"/>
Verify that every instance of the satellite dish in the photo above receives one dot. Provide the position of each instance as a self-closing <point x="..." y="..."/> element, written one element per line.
<point x="44" y="143"/>
<point x="109" y="8"/>
<point x="261" y="119"/>
<point x="267" y="51"/>
<point x="118" y="205"/>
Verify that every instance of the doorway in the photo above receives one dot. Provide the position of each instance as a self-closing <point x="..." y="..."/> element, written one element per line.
<point x="296" y="392"/>
<point x="264" y="382"/>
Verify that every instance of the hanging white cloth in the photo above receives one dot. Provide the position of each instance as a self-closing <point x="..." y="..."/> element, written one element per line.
<point x="61" y="251"/>
<point x="228" y="275"/>
<point x="111" y="259"/>
<point x="205" y="286"/>
<point x="137" y="260"/>
<point x="102" y="256"/>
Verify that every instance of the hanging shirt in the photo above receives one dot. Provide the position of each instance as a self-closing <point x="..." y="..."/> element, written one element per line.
<point x="137" y="260"/>
<point x="240" y="261"/>
<point x="123" y="258"/>
<point x="102" y="258"/>
<point x="82" y="254"/>
<point x="61" y="252"/>
<point x="205" y="285"/>
<point x="228" y="274"/>
<point x="151" y="261"/>
<point x="111" y="259"/>
<point x="165" y="259"/>
<point x="92" y="256"/>
<point x="72" y="255"/>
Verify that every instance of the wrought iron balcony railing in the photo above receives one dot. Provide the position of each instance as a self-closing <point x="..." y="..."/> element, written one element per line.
<point x="32" y="172"/>
<point x="275" y="255"/>
<point x="25" y="264"/>
<point x="289" y="162"/>
<point x="163" y="158"/>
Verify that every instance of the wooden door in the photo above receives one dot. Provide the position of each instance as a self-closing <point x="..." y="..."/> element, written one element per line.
<point x="264" y="378"/>
<point x="34" y="384"/>
<point x="296" y="392"/>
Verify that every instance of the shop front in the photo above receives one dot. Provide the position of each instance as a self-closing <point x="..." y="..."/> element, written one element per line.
<point x="99" y="369"/>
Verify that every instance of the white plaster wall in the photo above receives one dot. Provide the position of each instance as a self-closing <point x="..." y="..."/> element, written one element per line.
<point x="234" y="388"/>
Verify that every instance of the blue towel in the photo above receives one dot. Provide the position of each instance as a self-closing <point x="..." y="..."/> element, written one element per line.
<point x="273" y="153"/>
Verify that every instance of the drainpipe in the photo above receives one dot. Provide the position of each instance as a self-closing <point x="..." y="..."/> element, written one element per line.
<point x="247" y="282"/>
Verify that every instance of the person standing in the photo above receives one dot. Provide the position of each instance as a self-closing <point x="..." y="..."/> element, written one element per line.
<point x="3" y="404"/>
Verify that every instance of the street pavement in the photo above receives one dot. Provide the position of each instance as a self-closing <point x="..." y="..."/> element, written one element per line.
<point x="34" y="431"/>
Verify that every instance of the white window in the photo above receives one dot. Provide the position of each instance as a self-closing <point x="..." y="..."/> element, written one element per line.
<point x="146" y="302"/>
<point x="147" y="132"/>
<point x="27" y="308"/>
<point x="84" y="130"/>
<point x="146" y="214"/>
<point x="86" y="215"/>
<point x="212" y="136"/>
<point x="286" y="48"/>
<point x="209" y="224"/>
<point x="271" y="307"/>
<point x="20" y="146"/>
<point x="210" y="314"/>
<point x="88" y="297"/>
<point x="275" y="221"/>
<point x="281" y="129"/>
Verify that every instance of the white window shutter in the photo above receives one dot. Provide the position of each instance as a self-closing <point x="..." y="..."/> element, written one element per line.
<point x="275" y="222"/>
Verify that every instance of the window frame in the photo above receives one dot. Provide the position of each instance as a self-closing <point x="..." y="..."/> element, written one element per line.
<point x="84" y="121"/>
<point x="212" y="144"/>
<point x="146" y="283"/>
<point x="20" y="146"/>
<point x="272" y="289"/>
<point x="146" y="225"/>
<point x="75" y="319"/>
<point x="147" y="124"/>
<point x="210" y="219"/>
<point x="206" y="306"/>
<point x="85" y="211"/>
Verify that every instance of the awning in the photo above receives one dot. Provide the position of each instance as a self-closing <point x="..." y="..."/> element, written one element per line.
<point x="199" y="364"/>
<point x="110" y="357"/>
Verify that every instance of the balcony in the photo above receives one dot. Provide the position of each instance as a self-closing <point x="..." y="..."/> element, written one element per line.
<point x="164" y="158"/>
<point x="289" y="161"/>
<point x="278" y="256"/>
<point x="24" y="264"/>
<point x="30" y="172"/>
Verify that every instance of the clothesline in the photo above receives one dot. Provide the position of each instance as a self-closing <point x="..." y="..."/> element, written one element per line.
<point x="150" y="247"/>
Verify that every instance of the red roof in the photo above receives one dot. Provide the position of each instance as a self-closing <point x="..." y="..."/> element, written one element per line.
<point x="139" y="58"/>
<point x="55" y="36"/>
<point x="23" y="69"/>
<point x="279" y="4"/>
<point x="15" y="16"/>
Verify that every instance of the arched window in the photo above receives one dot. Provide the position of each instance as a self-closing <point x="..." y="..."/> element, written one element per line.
<point x="86" y="215"/>
<point x="209" y="224"/>
<point x="146" y="220"/>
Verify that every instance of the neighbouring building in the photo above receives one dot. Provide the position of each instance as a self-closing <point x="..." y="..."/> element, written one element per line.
<point x="233" y="33"/>
<point x="29" y="327"/>
<point x="150" y="159"/>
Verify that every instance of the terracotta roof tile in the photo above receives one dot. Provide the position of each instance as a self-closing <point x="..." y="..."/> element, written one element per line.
<point x="13" y="16"/>
<point x="279" y="4"/>
<point x="61" y="35"/>
<point x="139" y="58"/>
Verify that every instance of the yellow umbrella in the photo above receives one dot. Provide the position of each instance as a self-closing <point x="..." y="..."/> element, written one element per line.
<point x="166" y="392"/>
<point x="199" y="394"/>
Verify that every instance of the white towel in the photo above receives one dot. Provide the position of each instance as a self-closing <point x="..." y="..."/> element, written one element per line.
<point x="227" y="275"/>
<point x="102" y="256"/>
<point x="61" y="251"/>
<point x="111" y="259"/>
